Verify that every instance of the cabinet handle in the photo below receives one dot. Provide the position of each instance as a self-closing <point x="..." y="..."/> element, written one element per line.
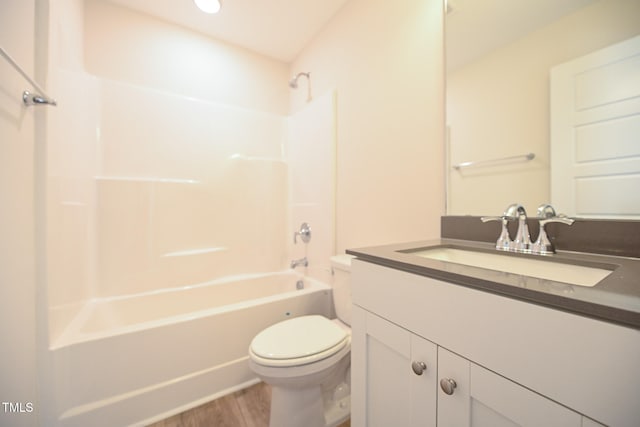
<point x="448" y="385"/>
<point x="418" y="367"/>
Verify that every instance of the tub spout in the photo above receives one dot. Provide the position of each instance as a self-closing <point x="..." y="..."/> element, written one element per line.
<point x="302" y="261"/>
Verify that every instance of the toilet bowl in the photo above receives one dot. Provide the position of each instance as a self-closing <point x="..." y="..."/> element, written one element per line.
<point x="306" y="361"/>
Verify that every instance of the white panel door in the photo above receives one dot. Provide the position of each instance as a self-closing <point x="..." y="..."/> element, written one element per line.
<point x="595" y="133"/>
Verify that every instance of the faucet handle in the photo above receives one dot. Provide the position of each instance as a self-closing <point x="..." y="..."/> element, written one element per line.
<point x="560" y="219"/>
<point x="504" y="240"/>
<point x="304" y="233"/>
<point x="491" y="218"/>
<point x="543" y="245"/>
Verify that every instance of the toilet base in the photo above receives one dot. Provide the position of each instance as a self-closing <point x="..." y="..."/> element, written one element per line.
<point x="296" y="407"/>
<point x="338" y="411"/>
<point x="307" y="407"/>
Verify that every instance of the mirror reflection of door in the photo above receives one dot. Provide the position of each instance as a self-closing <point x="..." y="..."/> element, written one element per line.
<point x="595" y="133"/>
<point x="498" y="98"/>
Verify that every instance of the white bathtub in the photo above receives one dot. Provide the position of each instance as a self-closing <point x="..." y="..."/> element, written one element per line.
<point x="136" y="359"/>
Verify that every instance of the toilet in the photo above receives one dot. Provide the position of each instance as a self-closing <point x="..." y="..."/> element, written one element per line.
<point x="306" y="361"/>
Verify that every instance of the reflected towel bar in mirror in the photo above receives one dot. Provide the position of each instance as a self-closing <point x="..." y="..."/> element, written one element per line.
<point x="491" y="162"/>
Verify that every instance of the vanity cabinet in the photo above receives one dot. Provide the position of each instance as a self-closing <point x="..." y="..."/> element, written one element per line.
<point x="409" y="381"/>
<point x="512" y="363"/>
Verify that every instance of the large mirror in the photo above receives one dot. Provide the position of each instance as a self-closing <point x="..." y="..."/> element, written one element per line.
<point x="499" y="55"/>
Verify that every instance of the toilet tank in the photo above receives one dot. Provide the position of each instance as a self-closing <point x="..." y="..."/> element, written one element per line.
<point x="341" y="274"/>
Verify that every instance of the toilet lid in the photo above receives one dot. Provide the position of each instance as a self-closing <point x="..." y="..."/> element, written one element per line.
<point x="299" y="338"/>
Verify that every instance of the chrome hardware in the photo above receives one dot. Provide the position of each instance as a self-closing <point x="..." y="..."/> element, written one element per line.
<point x="547" y="214"/>
<point x="504" y="241"/>
<point x="418" y="367"/>
<point x="302" y="261"/>
<point x="522" y="242"/>
<point x="300" y="284"/>
<point x="31" y="99"/>
<point x="304" y="233"/>
<point x="28" y="98"/>
<point x="448" y="385"/>
<point x="495" y="162"/>
<point x="546" y="211"/>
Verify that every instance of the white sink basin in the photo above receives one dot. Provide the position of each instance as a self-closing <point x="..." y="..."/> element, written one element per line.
<point x="538" y="268"/>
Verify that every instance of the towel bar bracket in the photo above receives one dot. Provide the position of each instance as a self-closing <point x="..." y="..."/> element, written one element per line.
<point x="27" y="97"/>
<point x="31" y="99"/>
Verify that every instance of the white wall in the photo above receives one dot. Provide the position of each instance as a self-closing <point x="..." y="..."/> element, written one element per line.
<point x="498" y="106"/>
<point x="311" y="153"/>
<point x="125" y="45"/>
<point x="385" y="61"/>
<point x="18" y="384"/>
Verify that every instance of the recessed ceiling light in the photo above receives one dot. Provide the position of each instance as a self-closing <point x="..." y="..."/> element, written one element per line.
<point x="208" y="6"/>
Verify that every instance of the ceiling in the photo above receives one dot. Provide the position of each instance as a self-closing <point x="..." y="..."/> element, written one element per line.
<point x="281" y="28"/>
<point x="275" y="28"/>
<point x="476" y="27"/>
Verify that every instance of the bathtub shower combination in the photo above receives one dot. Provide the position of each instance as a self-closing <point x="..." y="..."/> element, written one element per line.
<point x="166" y="248"/>
<point x="126" y="357"/>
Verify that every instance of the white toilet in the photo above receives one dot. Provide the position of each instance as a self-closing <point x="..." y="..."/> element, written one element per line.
<point x="306" y="360"/>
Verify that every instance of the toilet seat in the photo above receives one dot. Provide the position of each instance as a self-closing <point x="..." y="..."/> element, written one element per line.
<point x="298" y="341"/>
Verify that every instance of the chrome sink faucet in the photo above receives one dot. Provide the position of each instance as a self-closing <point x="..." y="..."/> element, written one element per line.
<point x="522" y="241"/>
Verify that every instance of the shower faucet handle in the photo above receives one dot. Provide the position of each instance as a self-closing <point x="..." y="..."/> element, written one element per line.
<point x="304" y="233"/>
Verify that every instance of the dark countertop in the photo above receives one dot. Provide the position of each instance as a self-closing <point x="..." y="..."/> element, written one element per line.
<point x="614" y="299"/>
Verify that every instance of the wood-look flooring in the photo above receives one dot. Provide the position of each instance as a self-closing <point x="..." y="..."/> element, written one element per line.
<point x="244" y="408"/>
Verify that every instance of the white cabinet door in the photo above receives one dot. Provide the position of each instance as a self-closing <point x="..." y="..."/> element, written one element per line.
<point x="482" y="398"/>
<point x="454" y="408"/>
<point x="385" y="389"/>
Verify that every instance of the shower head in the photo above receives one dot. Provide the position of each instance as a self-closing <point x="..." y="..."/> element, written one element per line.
<point x="293" y="83"/>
